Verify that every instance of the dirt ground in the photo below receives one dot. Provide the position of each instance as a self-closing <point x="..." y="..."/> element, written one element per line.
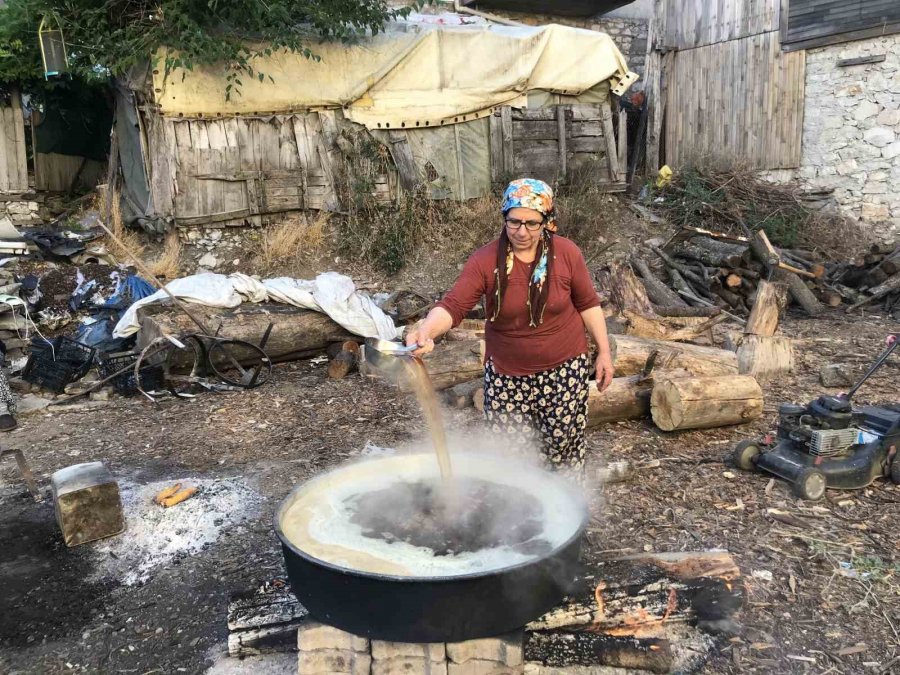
<point x="822" y="580"/>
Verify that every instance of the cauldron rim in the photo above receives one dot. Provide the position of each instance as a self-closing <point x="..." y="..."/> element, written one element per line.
<point x="578" y="501"/>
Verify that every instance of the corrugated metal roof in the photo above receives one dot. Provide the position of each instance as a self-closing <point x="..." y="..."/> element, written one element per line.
<point x="574" y="8"/>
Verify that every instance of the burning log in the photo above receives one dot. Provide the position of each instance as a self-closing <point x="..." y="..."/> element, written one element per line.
<point x="632" y="353"/>
<point x="634" y="601"/>
<point x="705" y="402"/>
<point x="562" y="650"/>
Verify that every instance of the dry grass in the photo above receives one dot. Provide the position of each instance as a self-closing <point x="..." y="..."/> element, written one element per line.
<point x="130" y="245"/>
<point x="292" y="238"/>
<point x="168" y="263"/>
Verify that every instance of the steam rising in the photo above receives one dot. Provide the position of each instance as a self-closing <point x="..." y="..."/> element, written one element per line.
<point x="319" y="520"/>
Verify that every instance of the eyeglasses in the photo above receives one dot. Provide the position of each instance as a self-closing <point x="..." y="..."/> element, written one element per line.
<point x="531" y="225"/>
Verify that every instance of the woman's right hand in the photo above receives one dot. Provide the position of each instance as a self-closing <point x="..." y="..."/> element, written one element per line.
<point x="417" y="337"/>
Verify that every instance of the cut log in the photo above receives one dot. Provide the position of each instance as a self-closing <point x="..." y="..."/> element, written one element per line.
<point x="771" y="299"/>
<point x="563" y="650"/>
<point x="884" y="289"/>
<point x="765" y="357"/>
<point x="658" y="292"/>
<point x="631" y="355"/>
<point x="626" y="398"/>
<point x="711" y="252"/>
<point x="478" y="399"/>
<point x="451" y="363"/>
<point x="764" y="252"/>
<point x="469" y="329"/>
<point x="671" y="328"/>
<point x="264" y="621"/>
<point x="294" y="331"/>
<point x="618" y="284"/>
<point x="705" y="402"/>
<point x="733" y="281"/>
<point x="688" y="311"/>
<point x="344" y="361"/>
<point x="461" y="395"/>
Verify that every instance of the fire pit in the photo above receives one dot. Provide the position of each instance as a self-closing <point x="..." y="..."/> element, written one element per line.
<point x="386" y="550"/>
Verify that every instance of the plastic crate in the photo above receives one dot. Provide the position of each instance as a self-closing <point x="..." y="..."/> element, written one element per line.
<point x="152" y="376"/>
<point x="55" y="365"/>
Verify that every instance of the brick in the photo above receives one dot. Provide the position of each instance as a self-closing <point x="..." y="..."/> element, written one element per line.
<point x="315" y="636"/>
<point x="505" y="650"/>
<point x="478" y="667"/>
<point x="333" y="662"/>
<point x="408" y="665"/>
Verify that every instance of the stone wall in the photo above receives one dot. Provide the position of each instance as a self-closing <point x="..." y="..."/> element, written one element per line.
<point x="851" y="130"/>
<point x="21" y="212"/>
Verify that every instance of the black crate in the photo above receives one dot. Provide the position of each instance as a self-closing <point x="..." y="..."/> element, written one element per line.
<point x="151" y="374"/>
<point x="53" y="366"/>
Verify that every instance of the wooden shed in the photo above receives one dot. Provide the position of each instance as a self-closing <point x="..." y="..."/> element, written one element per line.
<point x="449" y="110"/>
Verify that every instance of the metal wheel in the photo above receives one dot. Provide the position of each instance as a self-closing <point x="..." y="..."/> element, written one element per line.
<point x="810" y="484"/>
<point x="182" y="365"/>
<point x="239" y="363"/>
<point x="744" y="454"/>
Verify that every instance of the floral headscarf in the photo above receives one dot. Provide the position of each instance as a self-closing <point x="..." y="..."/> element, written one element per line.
<point x="527" y="193"/>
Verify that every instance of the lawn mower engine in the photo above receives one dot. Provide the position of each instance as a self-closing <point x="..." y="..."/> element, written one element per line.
<point x="829" y="443"/>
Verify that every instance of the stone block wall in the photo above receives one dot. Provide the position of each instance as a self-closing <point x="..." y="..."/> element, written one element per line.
<point x="851" y="130"/>
<point x="21" y="212"/>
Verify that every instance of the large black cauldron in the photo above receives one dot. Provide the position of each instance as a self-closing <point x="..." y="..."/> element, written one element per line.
<point x="402" y="601"/>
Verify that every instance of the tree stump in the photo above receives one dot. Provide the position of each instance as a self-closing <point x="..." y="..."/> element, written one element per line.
<point x="765" y="357"/>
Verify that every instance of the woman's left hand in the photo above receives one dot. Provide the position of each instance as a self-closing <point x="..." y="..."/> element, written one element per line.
<point x="604" y="374"/>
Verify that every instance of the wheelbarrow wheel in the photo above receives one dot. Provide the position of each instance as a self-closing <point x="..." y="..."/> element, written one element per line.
<point x="810" y="485"/>
<point x="744" y="454"/>
<point x="895" y="470"/>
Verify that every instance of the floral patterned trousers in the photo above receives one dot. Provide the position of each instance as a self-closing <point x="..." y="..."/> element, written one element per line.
<point x="548" y="408"/>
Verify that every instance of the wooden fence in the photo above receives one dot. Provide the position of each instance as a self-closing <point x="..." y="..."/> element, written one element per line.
<point x="740" y="100"/>
<point x="13" y="153"/>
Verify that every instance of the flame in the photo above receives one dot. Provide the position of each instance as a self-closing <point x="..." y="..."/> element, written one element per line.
<point x="636" y="623"/>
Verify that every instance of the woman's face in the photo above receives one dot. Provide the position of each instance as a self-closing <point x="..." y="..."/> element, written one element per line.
<point x="521" y="238"/>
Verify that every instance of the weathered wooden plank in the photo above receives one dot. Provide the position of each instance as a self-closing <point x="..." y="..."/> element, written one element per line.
<point x="610" y="138"/>
<point x="561" y="141"/>
<point x="549" y="130"/>
<point x="506" y="127"/>
<point x="495" y="133"/>
<point x="6" y="150"/>
<point x="20" y="156"/>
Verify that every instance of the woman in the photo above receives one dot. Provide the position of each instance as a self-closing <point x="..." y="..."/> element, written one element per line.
<point x="539" y="299"/>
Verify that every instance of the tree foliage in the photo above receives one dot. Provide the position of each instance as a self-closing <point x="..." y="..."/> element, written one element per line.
<point x="109" y="37"/>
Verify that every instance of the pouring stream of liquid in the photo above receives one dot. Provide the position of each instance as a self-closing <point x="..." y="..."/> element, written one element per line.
<point x="421" y="382"/>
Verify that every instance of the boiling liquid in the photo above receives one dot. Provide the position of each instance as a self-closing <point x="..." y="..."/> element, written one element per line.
<point x="424" y="390"/>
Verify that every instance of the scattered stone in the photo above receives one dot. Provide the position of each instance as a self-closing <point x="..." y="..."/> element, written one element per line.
<point x="835" y="375"/>
<point x="208" y="260"/>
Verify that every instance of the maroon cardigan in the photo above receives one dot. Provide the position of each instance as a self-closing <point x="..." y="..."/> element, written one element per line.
<point x="515" y="347"/>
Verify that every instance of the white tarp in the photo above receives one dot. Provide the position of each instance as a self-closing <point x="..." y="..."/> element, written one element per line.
<point x="331" y="293"/>
<point x="413" y="77"/>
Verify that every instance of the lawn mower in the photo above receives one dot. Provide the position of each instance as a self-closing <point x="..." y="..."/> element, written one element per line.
<point x="830" y="443"/>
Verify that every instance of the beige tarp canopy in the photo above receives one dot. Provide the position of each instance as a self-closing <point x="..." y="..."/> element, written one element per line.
<point x="424" y="76"/>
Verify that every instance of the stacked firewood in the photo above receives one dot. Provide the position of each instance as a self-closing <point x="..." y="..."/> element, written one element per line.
<point x="867" y="278"/>
<point x="702" y="269"/>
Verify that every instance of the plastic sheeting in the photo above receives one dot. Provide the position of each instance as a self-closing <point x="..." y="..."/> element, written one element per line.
<point x="423" y="77"/>
<point x="331" y="293"/>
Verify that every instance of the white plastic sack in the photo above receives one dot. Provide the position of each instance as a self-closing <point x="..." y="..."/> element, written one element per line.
<point x="353" y="310"/>
<point x="331" y="293"/>
<point x="210" y="289"/>
<point x="297" y="292"/>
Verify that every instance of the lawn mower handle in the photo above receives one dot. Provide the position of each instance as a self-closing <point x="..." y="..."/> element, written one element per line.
<point x="875" y="366"/>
